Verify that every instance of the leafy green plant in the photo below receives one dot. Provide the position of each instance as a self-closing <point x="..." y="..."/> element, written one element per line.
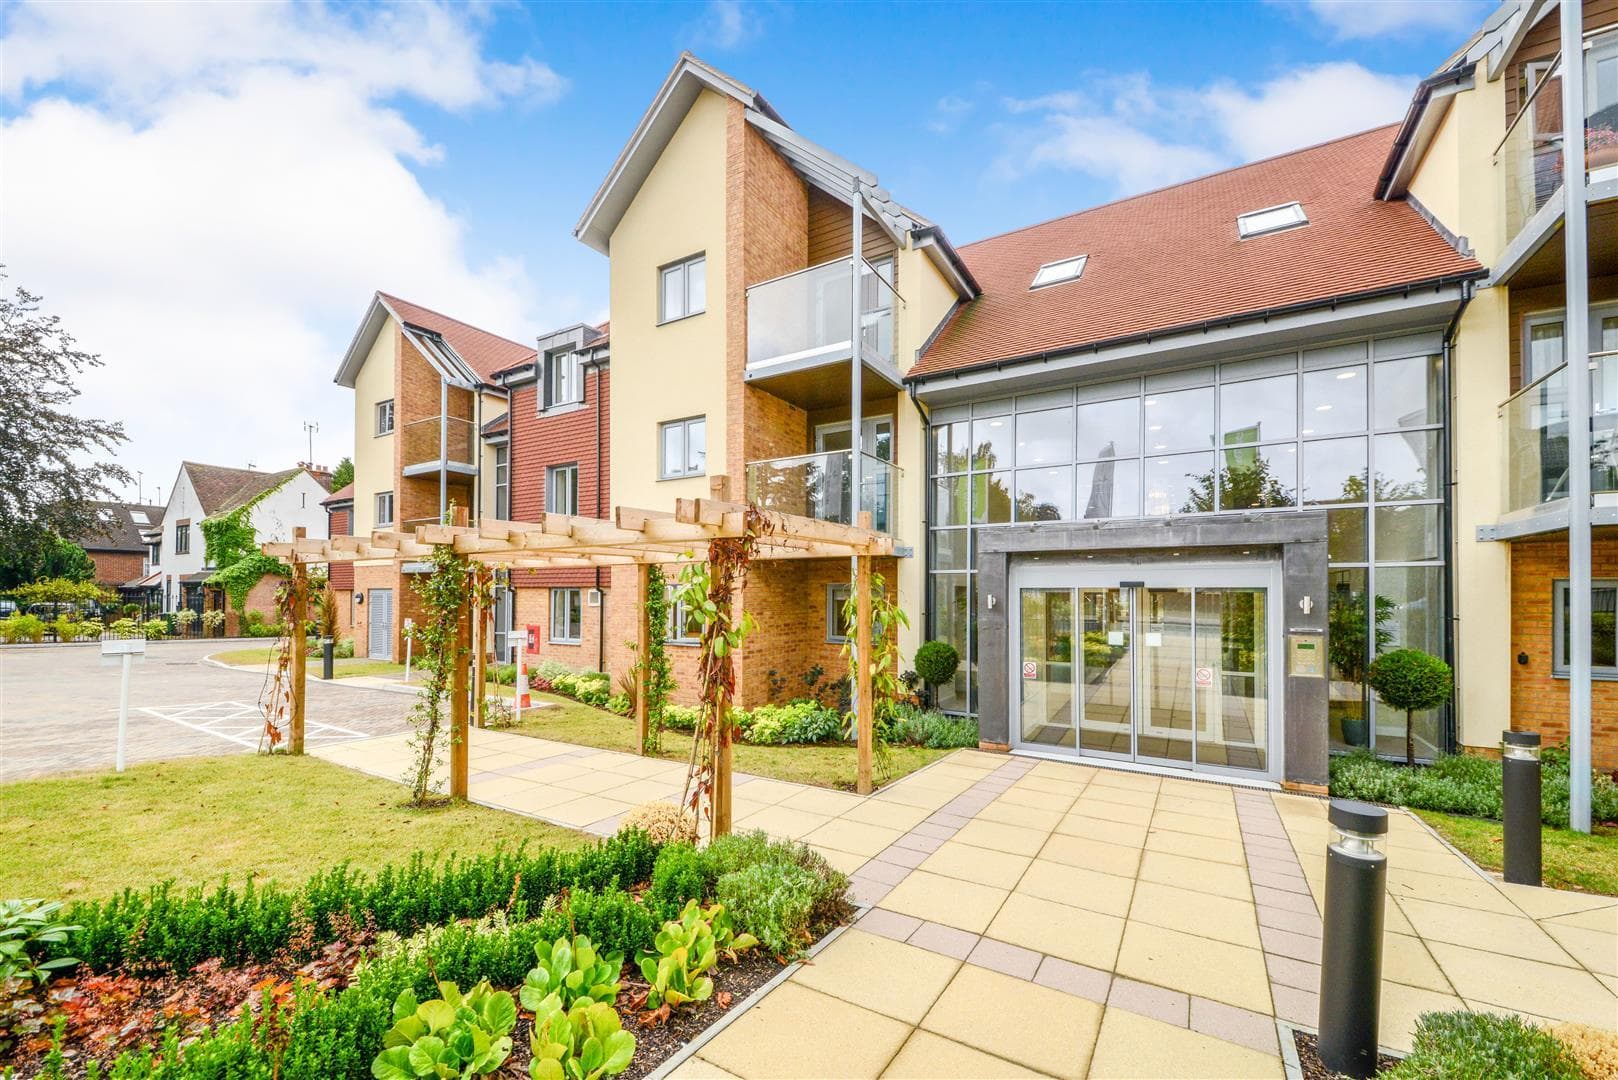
<point x="442" y="594"/>
<point x="775" y="901"/>
<point x="582" y="1043"/>
<point x="1465" y="784"/>
<point x="785" y="725"/>
<point x="572" y="970"/>
<point x="26" y="928"/>
<point x="684" y="949"/>
<point x="936" y="663"/>
<point x="19" y="628"/>
<point x="1413" y="681"/>
<point x="917" y="727"/>
<point x="155" y="629"/>
<point x="455" y="1035"/>
<point x="1465" y="1045"/>
<point x="726" y="941"/>
<point x="213" y="621"/>
<point x="655" y="665"/>
<point x="886" y="689"/>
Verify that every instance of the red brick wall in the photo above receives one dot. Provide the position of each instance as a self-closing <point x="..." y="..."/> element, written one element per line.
<point x="416" y="388"/>
<point x="538" y="442"/>
<point x="366" y="578"/>
<point x="114" y="568"/>
<point x="534" y="607"/>
<point x="341" y="574"/>
<point x="1539" y="700"/>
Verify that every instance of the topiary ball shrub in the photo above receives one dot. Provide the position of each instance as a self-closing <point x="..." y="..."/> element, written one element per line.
<point x="1413" y="681"/>
<point x="937" y="662"/>
<point x="1465" y="1046"/>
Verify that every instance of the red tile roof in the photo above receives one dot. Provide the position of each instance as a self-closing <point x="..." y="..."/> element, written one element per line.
<point x="487" y="353"/>
<point x="341" y="495"/>
<point x="1172" y="258"/>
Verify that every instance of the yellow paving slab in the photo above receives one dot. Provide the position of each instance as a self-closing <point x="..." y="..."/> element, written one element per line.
<point x="853" y="836"/>
<point x="1084" y="937"/>
<point x="879" y="974"/>
<point x="1071" y="783"/>
<point x="537" y="799"/>
<point x="1045" y="1029"/>
<point x="602" y="783"/>
<point x="797" y="1032"/>
<point x="998" y="836"/>
<point x="1200" y="809"/>
<point x="1002" y="869"/>
<point x="1037" y="798"/>
<point x="1218" y="917"/>
<point x="929" y="799"/>
<point x="821" y="801"/>
<point x="586" y="809"/>
<point x="1028" y="817"/>
<point x="697" y="1068"/>
<point x="1513" y="935"/>
<point x="1122" y="778"/>
<point x="1603" y="918"/>
<point x="1124" y="796"/>
<point x="1470" y="892"/>
<point x="646" y="768"/>
<point x="1196" y="789"/>
<point x="499" y="787"/>
<point x="1077" y="886"/>
<point x="964" y="905"/>
<point x="1218" y="970"/>
<point x="782" y="821"/>
<point x="645" y="791"/>
<point x="889" y="815"/>
<point x="1195" y="847"/>
<point x="1405" y="959"/>
<point x="764" y="790"/>
<point x="1212" y="827"/>
<point x="1113" y="832"/>
<point x="1400" y="1007"/>
<point x="1089" y="806"/>
<point x="846" y="861"/>
<point x="1527" y="985"/>
<point x="1135" y="1046"/>
<point x="1092" y="854"/>
<point x="926" y="1056"/>
<point x="1559" y="904"/>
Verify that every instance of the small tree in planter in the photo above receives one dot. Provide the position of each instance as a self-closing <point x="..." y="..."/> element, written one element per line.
<point x="184" y="619"/>
<point x="936" y="663"/>
<point x="1414" y="681"/>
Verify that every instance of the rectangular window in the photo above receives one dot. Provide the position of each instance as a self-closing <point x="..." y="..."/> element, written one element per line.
<point x="836" y="596"/>
<point x="384" y="508"/>
<point x="1603" y="632"/>
<point x="182" y="538"/>
<point x="683" y="628"/>
<point x="683" y="289"/>
<point x="502" y="482"/>
<point x="684" y="447"/>
<point x="384" y="417"/>
<point x="567" y="616"/>
<point x="1270" y="219"/>
<point x="564" y="382"/>
<point x="562" y="489"/>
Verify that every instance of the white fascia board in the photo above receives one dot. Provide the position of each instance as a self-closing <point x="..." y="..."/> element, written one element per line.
<point x="358" y="349"/>
<point x="1509" y="38"/>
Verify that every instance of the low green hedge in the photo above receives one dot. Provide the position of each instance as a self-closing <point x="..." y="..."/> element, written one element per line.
<point x="1463" y="784"/>
<point x="1466" y="1046"/>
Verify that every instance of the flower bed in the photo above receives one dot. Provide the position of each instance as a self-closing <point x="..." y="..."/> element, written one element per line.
<point x="310" y="981"/>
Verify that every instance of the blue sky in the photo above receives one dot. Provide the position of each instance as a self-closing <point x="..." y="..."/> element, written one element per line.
<point x="242" y="176"/>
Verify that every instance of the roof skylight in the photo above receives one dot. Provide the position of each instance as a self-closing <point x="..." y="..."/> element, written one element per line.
<point x="1054" y="273"/>
<point x="139" y="517"/>
<point x="1271" y="219"/>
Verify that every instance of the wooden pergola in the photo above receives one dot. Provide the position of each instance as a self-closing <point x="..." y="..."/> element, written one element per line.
<point x="639" y="538"/>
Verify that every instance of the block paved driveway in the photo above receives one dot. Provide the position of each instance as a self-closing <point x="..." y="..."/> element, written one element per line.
<point x="1027" y="917"/>
<point x="59" y="708"/>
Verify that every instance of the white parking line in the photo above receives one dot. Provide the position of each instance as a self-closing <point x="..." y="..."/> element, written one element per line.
<point x="225" y="720"/>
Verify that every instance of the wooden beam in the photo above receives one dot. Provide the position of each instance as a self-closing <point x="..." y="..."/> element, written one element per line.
<point x="862" y="683"/>
<point x="460" y="734"/>
<point x="299" y="645"/>
<point x="643" y="648"/>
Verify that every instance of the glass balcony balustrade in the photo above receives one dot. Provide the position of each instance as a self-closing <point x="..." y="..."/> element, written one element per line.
<point x="1536" y="435"/>
<point x="426" y="449"/>
<point x="803" y="318"/>
<point x="821" y="486"/>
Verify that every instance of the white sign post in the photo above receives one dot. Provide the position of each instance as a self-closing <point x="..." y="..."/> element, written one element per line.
<point x="408" y="626"/>
<point x="122" y="651"/>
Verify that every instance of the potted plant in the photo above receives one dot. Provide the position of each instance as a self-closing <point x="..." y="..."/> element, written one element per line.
<point x="1411" y="680"/>
<point x="1347" y="628"/>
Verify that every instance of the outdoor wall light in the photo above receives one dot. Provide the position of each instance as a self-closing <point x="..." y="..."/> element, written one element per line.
<point x="359" y="597"/>
<point x="1522" y="658"/>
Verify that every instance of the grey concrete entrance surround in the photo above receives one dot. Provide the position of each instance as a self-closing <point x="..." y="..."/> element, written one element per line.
<point x="1298" y="537"/>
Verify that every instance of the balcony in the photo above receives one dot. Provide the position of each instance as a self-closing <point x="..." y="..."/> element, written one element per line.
<point x="1535" y="421"/>
<point x="798" y="334"/>
<point x="820" y="486"/>
<point x="439" y="444"/>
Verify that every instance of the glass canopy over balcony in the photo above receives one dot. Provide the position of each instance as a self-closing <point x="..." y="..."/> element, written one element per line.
<point x="439" y="443"/>
<point x="821" y="486"/>
<point x="798" y="329"/>
<point x="1536" y="435"/>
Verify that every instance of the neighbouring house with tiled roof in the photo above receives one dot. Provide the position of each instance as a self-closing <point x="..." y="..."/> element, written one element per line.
<point x="118" y="548"/>
<point x="279" y="502"/>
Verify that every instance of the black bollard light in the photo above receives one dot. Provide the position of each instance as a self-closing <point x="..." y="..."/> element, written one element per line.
<point x="1520" y="791"/>
<point x="1351" y="949"/>
<point x="327" y="648"/>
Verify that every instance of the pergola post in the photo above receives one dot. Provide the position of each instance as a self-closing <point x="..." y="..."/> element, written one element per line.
<point x="459" y="748"/>
<point x="299" y="644"/>
<point x="862" y="655"/>
<point x="643" y="648"/>
<point x="480" y="659"/>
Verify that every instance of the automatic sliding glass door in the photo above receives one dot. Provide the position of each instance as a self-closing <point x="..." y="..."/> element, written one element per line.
<point x="1107" y="684"/>
<point x="1165" y="659"/>
<point x="1046" y="676"/>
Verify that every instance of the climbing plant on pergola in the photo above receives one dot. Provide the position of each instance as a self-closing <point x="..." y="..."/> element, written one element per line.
<point x="724" y="534"/>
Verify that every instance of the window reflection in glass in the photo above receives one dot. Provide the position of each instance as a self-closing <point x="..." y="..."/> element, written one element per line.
<point x="1348" y="650"/>
<point x="991" y="498"/>
<point x="1179" y="484"/>
<point x="950" y="611"/>
<point x="1334" y="401"/>
<point x="950" y="450"/>
<point x="1045" y="494"/>
<point x="1407" y="392"/>
<point x="1544" y="350"/>
<point x="1109" y="489"/>
<point x="1407" y="534"/>
<point x="1410" y="610"/>
<point x="1345" y="536"/>
<point x="1334" y="471"/>
<point x="949" y="501"/>
<point x="1045" y="438"/>
<point x="991" y="443"/>
<point x="1254" y="477"/>
<point x="1406" y="466"/>
<point x="1109" y="429"/>
<point x="949" y="549"/>
<point x="1260" y="410"/>
<point x="1179" y="420"/>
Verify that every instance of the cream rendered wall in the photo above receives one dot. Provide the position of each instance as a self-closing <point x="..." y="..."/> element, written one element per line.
<point x="1458" y="182"/>
<point x="494" y="407"/>
<point x="373" y="454"/>
<point x="677" y="370"/>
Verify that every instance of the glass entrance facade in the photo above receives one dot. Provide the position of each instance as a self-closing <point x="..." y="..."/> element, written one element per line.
<point x="1354" y="429"/>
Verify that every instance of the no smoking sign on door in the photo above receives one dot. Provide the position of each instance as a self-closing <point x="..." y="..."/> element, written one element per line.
<point x="1030" y="669"/>
<point x="1204" y="676"/>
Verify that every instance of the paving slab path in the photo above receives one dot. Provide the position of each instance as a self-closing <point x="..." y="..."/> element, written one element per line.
<point x="1025" y="917"/>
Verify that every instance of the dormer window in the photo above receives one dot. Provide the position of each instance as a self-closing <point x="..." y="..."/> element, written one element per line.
<point x="1272" y="219"/>
<point x="1054" y="273"/>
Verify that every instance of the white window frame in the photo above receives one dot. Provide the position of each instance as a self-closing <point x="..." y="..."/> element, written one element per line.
<point x="1059" y="272"/>
<point x="684" y="424"/>
<point x="384" y="418"/>
<point x="1560" y="591"/>
<point x="562" y="489"/>
<point x="384" y="498"/>
<point x="560" y="605"/>
<point x="675" y="633"/>
<point x="1247" y="227"/>
<point x="682" y="267"/>
<point x="564" y="381"/>
<point x="1557" y="317"/>
<point x="836" y="593"/>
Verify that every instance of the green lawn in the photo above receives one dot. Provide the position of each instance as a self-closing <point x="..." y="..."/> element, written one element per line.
<point x="341" y="668"/>
<point x="200" y="819"/>
<point x="1571" y="860"/>
<point x="827" y="766"/>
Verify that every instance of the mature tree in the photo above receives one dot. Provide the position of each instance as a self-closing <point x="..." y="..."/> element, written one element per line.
<point x="53" y="463"/>
<point x="54" y="558"/>
<point x="343" y="475"/>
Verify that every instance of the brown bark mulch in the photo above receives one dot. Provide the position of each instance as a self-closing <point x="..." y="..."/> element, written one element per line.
<point x="1315" y="1069"/>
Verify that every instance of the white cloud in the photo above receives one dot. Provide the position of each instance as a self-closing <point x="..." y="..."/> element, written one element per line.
<point x="727" y="24"/>
<point x="1126" y="130"/>
<point x="1379" y="18"/>
<point x="214" y="217"/>
<point x="948" y="112"/>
